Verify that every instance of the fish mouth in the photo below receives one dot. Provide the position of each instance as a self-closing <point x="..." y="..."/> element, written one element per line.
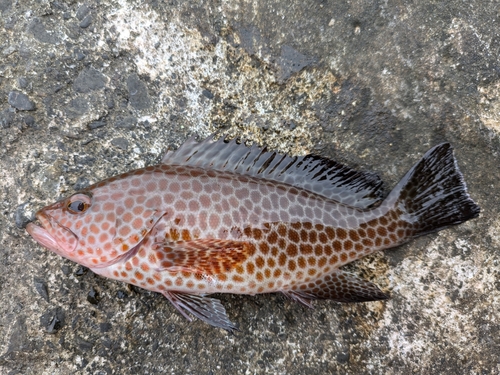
<point x="52" y="235"/>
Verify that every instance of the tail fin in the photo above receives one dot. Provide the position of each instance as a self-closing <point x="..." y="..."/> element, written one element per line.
<point x="433" y="194"/>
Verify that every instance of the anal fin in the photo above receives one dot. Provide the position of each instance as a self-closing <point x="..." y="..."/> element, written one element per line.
<point x="210" y="310"/>
<point x="338" y="286"/>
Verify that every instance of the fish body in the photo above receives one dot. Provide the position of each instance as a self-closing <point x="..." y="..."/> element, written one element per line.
<point x="218" y="217"/>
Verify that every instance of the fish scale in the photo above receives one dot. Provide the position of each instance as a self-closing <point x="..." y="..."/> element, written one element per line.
<point x="249" y="222"/>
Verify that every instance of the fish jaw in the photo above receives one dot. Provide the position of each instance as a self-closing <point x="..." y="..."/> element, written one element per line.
<point x="53" y="235"/>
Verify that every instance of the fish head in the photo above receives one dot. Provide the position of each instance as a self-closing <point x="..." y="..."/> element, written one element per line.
<point x="94" y="228"/>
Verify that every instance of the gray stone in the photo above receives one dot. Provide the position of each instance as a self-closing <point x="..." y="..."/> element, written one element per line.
<point x="82" y="11"/>
<point x="37" y="28"/>
<point x="21" y="101"/>
<point x="41" y="288"/>
<point x="121" y="143"/>
<point x="23" y="82"/>
<point x="128" y="122"/>
<point x="89" y="80"/>
<point x="138" y="93"/>
<point x="86" y="22"/>
<point x="6" y="117"/>
<point x="76" y="108"/>
<point x="5" y="5"/>
<point x="20" y="217"/>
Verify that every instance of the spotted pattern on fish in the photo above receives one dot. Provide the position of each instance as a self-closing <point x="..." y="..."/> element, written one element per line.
<point x="244" y="222"/>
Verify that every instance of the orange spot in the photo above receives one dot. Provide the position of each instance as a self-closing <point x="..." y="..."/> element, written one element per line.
<point x="318" y="250"/>
<point x="128" y="266"/>
<point x="271" y="262"/>
<point x="292" y="250"/>
<point x="292" y="265"/>
<point x="238" y="279"/>
<point x="94" y="229"/>
<point x="277" y="273"/>
<point x="116" y="274"/>
<point x="144" y="267"/>
<point x="330" y="232"/>
<point x="259" y="276"/>
<point x="264" y="248"/>
<point x="282" y="259"/>
<point x="313" y="236"/>
<point x="150" y="281"/>
<point x="125" y="247"/>
<point x="306" y="249"/>
<point x="334" y="259"/>
<point x="135" y="262"/>
<point x="321" y="262"/>
<point x="186" y="236"/>
<point x="392" y="227"/>
<point x="257" y="233"/>
<point x="259" y="262"/>
<point x="138" y="275"/>
<point x="104" y="259"/>
<point x="272" y="238"/>
<point x="367" y="242"/>
<point x="250" y="268"/>
<point x="328" y="250"/>
<point x="343" y="257"/>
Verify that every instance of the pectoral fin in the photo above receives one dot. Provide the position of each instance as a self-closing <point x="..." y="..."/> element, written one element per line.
<point x="338" y="286"/>
<point x="210" y="310"/>
<point x="208" y="256"/>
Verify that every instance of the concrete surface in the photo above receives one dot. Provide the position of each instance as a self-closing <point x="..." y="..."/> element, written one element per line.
<point x="91" y="89"/>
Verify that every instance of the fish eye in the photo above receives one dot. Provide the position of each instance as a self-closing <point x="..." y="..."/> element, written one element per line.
<point x="78" y="203"/>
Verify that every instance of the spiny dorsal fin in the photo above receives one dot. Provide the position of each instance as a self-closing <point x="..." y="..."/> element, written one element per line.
<point x="313" y="173"/>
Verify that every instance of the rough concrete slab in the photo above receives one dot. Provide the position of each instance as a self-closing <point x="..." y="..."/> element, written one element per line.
<point x="372" y="84"/>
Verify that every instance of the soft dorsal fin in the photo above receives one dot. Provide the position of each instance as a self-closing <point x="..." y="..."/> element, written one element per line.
<point x="313" y="173"/>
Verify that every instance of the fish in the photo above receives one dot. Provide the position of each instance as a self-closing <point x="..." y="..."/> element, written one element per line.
<point x="217" y="216"/>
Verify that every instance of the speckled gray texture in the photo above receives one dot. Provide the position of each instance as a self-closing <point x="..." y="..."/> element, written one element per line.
<point x="372" y="84"/>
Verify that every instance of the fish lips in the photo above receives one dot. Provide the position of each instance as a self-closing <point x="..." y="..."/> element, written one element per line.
<point x="52" y="235"/>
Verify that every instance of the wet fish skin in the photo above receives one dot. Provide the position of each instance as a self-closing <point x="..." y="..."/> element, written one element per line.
<point x="223" y="218"/>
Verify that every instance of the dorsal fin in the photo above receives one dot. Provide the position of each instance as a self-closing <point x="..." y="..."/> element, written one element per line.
<point x="313" y="173"/>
